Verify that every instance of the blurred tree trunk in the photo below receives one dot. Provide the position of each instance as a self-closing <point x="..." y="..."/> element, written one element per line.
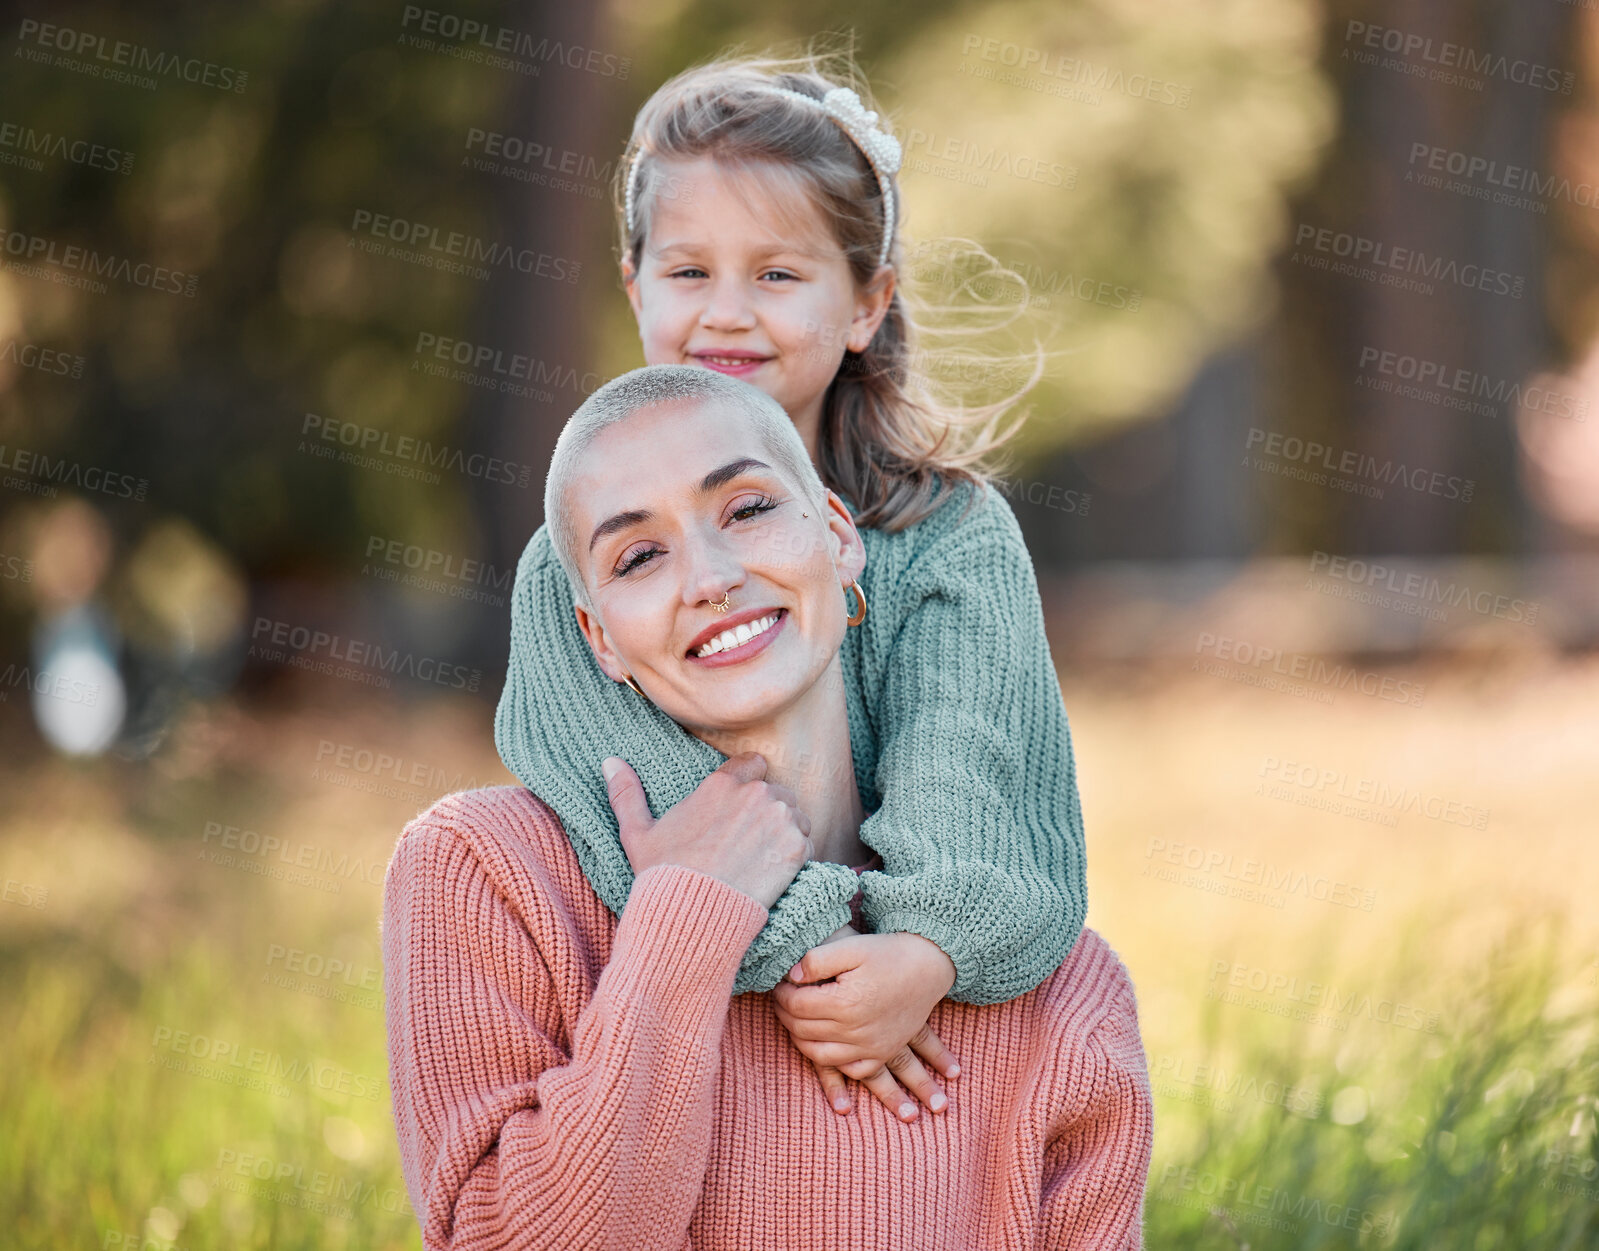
<point x="1520" y="242"/>
<point x="563" y="108"/>
<point x="1455" y="326"/>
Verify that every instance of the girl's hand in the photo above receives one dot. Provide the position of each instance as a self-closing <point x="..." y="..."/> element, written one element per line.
<point x="870" y="1021"/>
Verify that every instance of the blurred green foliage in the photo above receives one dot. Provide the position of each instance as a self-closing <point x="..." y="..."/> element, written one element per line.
<point x="1139" y="189"/>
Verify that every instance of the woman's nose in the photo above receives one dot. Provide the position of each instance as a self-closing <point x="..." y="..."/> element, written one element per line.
<point x="712" y="570"/>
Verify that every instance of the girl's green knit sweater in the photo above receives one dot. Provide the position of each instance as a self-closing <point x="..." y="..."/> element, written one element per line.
<point x="957" y="729"/>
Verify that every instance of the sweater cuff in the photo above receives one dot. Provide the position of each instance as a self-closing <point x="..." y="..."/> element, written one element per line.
<point x="815" y="904"/>
<point x="681" y="937"/>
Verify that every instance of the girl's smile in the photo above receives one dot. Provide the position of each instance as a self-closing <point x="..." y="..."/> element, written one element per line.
<point x="730" y="361"/>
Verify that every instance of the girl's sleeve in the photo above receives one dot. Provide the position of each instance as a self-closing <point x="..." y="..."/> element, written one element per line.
<point x="559" y="716"/>
<point x="512" y="1133"/>
<point x="980" y="827"/>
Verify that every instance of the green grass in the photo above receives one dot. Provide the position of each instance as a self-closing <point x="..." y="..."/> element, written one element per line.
<point x="106" y="1147"/>
<point x="1477" y="1135"/>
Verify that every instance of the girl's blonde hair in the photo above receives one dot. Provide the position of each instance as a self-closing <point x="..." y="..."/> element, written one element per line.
<point x="890" y="429"/>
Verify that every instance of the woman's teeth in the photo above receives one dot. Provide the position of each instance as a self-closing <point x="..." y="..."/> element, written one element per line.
<point x="737" y="635"/>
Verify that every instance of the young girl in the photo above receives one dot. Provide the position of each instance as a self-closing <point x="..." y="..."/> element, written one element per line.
<point x="760" y="227"/>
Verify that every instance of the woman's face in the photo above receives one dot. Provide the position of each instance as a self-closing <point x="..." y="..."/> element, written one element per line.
<point x="750" y="287"/>
<point x="680" y="506"/>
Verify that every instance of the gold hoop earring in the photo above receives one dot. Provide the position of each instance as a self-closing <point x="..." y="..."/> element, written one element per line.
<point x="860" y="597"/>
<point x="727" y="602"/>
<point x="629" y="680"/>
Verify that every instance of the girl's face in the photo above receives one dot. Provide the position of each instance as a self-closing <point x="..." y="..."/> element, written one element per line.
<point x="680" y="506"/>
<point x="750" y="286"/>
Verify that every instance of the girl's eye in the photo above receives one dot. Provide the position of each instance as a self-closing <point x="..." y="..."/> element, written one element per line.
<point x="753" y="508"/>
<point x="777" y="273"/>
<point x="633" y="559"/>
<point x="693" y="271"/>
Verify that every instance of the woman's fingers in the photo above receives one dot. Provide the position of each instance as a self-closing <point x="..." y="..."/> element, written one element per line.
<point x="781" y="792"/>
<point x="917" y="1079"/>
<point x="786" y="796"/>
<point x="834" y="1087"/>
<point x="888" y="1093"/>
<point x="931" y="1048"/>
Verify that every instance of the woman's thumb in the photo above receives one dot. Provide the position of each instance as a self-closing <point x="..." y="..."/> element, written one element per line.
<point x="626" y="794"/>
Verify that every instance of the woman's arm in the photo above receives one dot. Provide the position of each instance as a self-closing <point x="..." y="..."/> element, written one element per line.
<point x="1096" y="1167"/>
<point x="513" y="1133"/>
<point x="980" y="827"/>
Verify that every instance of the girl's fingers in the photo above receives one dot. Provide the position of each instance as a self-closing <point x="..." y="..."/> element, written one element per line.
<point x="809" y="1028"/>
<point x="917" y="1079"/>
<point x="811" y="1003"/>
<point x="834" y="1087"/>
<point x="931" y="1048"/>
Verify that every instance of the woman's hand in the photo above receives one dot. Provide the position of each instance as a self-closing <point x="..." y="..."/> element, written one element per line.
<point x="735" y="827"/>
<point x="870" y="1022"/>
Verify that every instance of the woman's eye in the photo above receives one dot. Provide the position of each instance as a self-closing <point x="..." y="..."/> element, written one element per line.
<point x="632" y="560"/>
<point x="753" y="508"/>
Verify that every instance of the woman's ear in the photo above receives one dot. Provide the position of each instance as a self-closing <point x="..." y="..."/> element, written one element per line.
<point x="848" y="552"/>
<point x="871" y="306"/>
<point x="610" y="663"/>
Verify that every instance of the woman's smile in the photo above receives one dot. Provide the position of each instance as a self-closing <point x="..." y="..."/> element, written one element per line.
<point x="732" y="644"/>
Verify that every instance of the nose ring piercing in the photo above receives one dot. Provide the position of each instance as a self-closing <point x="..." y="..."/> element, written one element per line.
<point x="726" y="603"/>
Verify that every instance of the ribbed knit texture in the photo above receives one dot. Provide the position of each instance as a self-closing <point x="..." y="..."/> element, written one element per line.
<point x="563" y="1079"/>
<point x="858" y="901"/>
<point x="957" y="730"/>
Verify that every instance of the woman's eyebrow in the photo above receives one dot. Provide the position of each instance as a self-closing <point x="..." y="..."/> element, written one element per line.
<point x="729" y="471"/>
<point x="717" y="477"/>
<point x="618" y="521"/>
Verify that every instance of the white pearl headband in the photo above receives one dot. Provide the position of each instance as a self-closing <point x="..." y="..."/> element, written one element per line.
<point x="881" y="149"/>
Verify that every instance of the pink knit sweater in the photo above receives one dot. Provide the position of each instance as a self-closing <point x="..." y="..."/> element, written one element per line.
<point x="565" y="1078"/>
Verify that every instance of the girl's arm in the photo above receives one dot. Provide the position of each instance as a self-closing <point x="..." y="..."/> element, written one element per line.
<point x="980" y="827"/>
<point x="513" y="1133"/>
<point x="560" y="716"/>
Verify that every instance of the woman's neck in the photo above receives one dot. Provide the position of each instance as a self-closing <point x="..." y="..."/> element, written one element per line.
<point x="807" y="749"/>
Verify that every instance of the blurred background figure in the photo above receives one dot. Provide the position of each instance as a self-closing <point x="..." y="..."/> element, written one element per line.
<point x="116" y="651"/>
<point x="79" y="699"/>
